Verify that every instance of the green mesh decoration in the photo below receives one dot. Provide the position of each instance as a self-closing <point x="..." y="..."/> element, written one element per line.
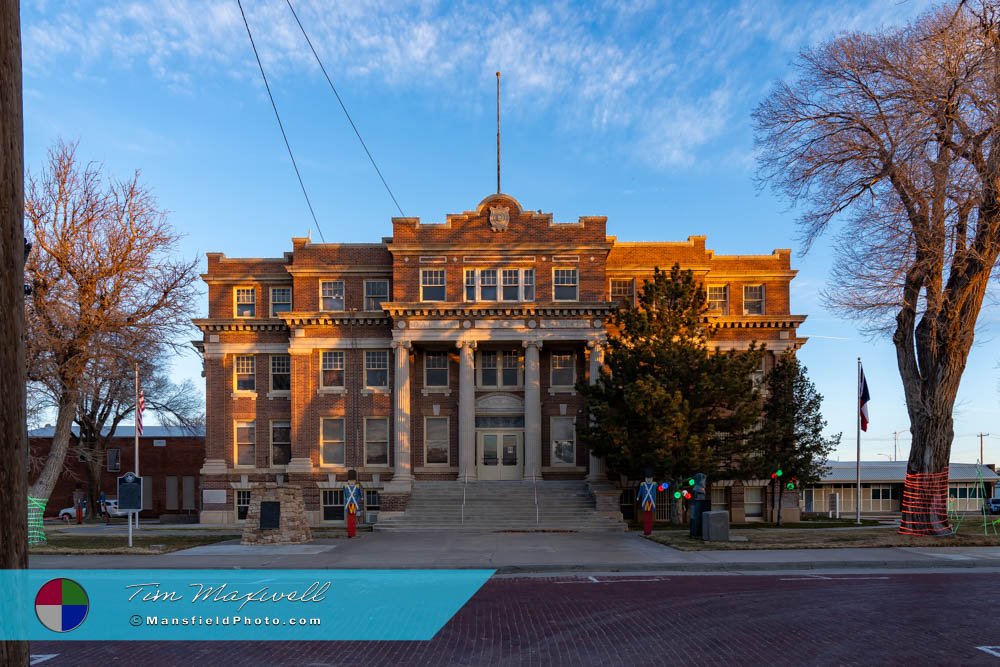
<point x="36" y="526"/>
<point x="989" y="523"/>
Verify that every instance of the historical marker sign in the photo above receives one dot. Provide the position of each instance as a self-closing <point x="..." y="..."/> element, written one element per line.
<point x="270" y="515"/>
<point x="130" y="492"/>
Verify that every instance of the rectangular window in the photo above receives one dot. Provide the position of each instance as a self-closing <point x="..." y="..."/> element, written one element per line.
<point x="376" y="441"/>
<point x="373" y="502"/>
<point x="432" y="287"/>
<point x="376" y="291"/>
<point x="753" y="299"/>
<point x="564" y="285"/>
<point x="718" y="299"/>
<point x="529" y="284"/>
<point x="563" y="369"/>
<point x="436" y="445"/>
<point x="511" y="284"/>
<point x="563" y="441"/>
<point x="488" y="372"/>
<point x="511" y="368"/>
<point x="171" y="492"/>
<point x="281" y="443"/>
<point x="435" y="369"/>
<point x="470" y="284"/>
<point x="281" y="300"/>
<point x="246" y="373"/>
<point x="331" y="293"/>
<point x="246" y="302"/>
<point x="187" y="492"/>
<point x="114" y="460"/>
<point x="332" y="442"/>
<point x="622" y="290"/>
<point x="333" y="504"/>
<point x="488" y="285"/>
<point x="281" y="372"/>
<point x="246" y="443"/>
<point x="242" y="503"/>
<point x="376" y="368"/>
<point x="332" y="368"/>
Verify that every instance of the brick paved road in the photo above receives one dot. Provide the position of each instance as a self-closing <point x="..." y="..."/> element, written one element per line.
<point x="793" y="619"/>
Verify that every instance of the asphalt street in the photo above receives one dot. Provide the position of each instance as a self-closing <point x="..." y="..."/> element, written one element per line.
<point x="794" y="618"/>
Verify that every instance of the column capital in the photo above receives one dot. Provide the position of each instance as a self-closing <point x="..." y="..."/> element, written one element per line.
<point x="404" y="343"/>
<point x="469" y="344"/>
<point x="537" y="344"/>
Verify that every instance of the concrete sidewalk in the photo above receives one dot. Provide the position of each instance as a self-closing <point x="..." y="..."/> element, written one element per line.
<point x="527" y="553"/>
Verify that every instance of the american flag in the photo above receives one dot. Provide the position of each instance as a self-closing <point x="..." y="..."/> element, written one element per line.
<point x="863" y="398"/>
<point x="138" y="412"/>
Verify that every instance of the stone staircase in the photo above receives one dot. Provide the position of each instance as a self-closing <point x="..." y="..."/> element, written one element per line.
<point x="500" y="507"/>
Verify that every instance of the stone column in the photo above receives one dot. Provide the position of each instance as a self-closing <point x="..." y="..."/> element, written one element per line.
<point x="467" y="411"/>
<point x="532" y="411"/>
<point x="597" y="471"/>
<point x="401" y="413"/>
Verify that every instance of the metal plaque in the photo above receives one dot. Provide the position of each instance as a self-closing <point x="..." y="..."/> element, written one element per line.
<point x="130" y="492"/>
<point x="270" y="515"/>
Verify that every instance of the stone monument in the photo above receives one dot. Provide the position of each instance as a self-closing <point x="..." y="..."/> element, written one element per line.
<point x="276" y="515"/>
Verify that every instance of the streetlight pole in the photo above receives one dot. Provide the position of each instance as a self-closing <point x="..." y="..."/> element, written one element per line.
<point x="982" y="460"/>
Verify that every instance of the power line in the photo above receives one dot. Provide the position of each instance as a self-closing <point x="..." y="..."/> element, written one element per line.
<point x="342" y="106"/>
<point x="280" y="125"/>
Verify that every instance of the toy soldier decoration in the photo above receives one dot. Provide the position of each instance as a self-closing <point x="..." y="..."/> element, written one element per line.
<point x="647" y="500"/>
<point x="352" y="502"/>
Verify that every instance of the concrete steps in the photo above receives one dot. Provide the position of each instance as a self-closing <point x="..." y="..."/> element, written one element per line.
<point x="500" y="507"/>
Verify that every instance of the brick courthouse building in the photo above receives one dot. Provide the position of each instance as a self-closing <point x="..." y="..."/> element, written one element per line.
<point x="444" y="352"/>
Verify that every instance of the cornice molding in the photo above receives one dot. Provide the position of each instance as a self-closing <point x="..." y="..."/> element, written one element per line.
<point x="210" y="324"/>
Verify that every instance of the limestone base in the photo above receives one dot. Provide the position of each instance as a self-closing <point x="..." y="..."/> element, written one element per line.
<point x="293" y="525"/>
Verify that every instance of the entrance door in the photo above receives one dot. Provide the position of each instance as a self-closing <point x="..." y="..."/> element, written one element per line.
<point x="499" y="455"/>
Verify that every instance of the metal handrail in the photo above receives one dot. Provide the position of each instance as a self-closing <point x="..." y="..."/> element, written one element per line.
<point x="534" y="484"/>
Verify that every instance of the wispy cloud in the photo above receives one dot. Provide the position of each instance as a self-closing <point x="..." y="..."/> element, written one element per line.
<point x="671" y="80"/>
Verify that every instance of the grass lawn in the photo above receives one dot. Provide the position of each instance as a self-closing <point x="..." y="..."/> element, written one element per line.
<point x="63" y="543"/>
<point x="798" y="536"/>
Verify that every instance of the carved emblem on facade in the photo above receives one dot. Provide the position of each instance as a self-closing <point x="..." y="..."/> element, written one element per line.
<point x="499" y="218"/>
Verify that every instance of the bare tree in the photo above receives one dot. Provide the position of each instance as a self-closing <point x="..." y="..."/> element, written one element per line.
<point x="107" y="397"/>
<point x="103" y="276"/>
<point x="13" y="439"/>
<point x="895" y="135"/>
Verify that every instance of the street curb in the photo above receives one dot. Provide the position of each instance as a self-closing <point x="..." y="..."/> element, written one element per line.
<point x="748" y="567"/>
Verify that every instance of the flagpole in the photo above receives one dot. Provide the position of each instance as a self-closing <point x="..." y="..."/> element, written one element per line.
<point x="857" y="498"/>
<point x="136" y="432"/>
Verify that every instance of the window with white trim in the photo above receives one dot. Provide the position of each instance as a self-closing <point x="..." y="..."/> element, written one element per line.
<point x="332" y="450"/>
<point x="331" y="369"/>
<point x="242" y="497"/>
<point x="376" y="291"/>
<point x="753" y="299"/>
<point x="622" y="290"/>
<point x="281" y="442"/>
<point x="565" y="283"/>
<point x="563" y="432"/>
<point x="331" y="295"/>
<point x="281" y="372"/>
<point x="501" y="368"/>
<point x="376" y="441"/>
<point x="245" y="371"/>
<point x="514" y="285"/>
<point x="718" y="299"/>
<point x="436" y="444"/>
<point x="281" y="300"/>
<point x="563" y="370"/>
<point x="246" y="443"/>
<point x="435" y="369"/>
<point x="246" y="302"/>
<point x="376" y="369"/>
<point x="333" y="504"/>
<point x="432" y="285"/>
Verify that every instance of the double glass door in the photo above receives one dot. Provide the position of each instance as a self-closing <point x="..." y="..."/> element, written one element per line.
<point x="500" y="454"/>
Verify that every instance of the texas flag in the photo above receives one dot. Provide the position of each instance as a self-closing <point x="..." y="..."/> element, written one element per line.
<point x="863" y="398"/>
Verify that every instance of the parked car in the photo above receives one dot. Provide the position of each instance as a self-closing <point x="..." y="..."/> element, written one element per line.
<point x="993" y="505"/>
<point x="111" y="508"/>
<point x="68" y="514"/>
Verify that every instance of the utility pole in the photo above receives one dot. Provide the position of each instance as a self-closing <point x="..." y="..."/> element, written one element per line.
<point x="982" y="460"/>
<point x="895" y="443"/>
<point x="13" y="437"/>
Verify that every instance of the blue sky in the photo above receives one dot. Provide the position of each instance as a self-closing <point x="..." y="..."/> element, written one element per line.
<point x="635" y="110"/>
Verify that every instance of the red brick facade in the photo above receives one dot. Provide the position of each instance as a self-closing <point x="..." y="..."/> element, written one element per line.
<point x="491" y="300"/>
